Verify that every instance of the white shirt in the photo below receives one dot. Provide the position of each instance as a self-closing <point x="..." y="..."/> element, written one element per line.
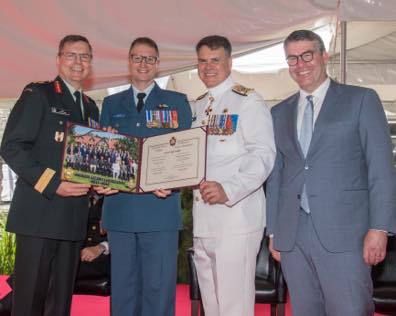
<point x="146" y="91"/>
<point x="72" y="90"/>
<point x="317" y="98"/>
<point x="240" y="162"/>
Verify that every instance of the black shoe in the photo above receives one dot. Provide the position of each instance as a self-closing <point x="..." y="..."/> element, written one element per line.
<point x="5" y="305"/>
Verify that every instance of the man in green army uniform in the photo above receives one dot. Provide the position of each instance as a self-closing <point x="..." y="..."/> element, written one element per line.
<point x="48" y="216"/>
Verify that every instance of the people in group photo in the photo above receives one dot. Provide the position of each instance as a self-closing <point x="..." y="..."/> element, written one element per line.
<point x="311" y="179"/>
<point x="101" y="160"/>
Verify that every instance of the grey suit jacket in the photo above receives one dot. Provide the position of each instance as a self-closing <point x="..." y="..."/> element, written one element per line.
<point x="349" y="173"/>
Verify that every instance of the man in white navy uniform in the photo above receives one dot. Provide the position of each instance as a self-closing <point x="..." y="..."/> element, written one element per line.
<point x="229" y="207"/>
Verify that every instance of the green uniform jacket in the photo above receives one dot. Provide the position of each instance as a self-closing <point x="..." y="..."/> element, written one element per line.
<point x="32" y="146"/>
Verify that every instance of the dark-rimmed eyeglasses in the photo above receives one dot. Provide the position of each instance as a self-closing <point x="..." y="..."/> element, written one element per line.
<point x="73" y="56"/>
<point x="137" y="59"/>
<point x="307" y="56"/>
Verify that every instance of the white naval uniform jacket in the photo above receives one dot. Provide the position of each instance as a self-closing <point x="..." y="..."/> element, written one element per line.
<point x="241" y="162"/>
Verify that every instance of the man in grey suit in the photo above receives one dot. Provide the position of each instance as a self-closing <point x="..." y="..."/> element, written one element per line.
<point x="331" y="195"/>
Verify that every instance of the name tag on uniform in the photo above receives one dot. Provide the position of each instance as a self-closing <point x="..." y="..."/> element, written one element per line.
<point x="119" y="115"/>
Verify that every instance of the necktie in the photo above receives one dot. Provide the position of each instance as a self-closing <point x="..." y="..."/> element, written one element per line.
<point x="307" y="126"/>
<point x="140" y="103"/>
<point x="77" y="94"/>
<point x="305" y="140"/>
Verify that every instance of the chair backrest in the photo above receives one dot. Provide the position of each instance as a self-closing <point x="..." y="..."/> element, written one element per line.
<point x="263" y="265"/>
<point x="100" y="286"/>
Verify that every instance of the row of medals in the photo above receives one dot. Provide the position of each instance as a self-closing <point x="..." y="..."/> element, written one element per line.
<point x="220" y="124"/>
<point x="162" y="119"/>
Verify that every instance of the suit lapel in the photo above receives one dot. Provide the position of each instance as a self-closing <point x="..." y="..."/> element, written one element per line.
<point x="290" y="122"/>
<point x="152" y="99"/>
<point x="327" y="111"/>
<point x="128" y="101"/>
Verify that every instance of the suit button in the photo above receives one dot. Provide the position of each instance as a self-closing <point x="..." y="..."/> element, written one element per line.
<point x="89" y="239"/>
<point x="93" y="227"/>
<point x="298" y="196"/>
<point x="306" y="167"/>
<point x="197" y="198"/>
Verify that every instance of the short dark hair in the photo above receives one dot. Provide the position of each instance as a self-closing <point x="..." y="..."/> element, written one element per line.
<point x="72" y="38"/>
<point x="215" y="42"/>
<point x="305" y="35"/>
<point x="144" y="41"/>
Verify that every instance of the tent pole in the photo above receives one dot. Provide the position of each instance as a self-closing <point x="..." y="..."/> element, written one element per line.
<point x="343" y="52"/>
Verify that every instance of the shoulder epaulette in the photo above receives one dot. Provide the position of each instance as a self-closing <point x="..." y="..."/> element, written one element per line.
<point x="27" y="89"/>
<point x="239" y="89"/>
<point x="40" y="82"/>
<point x="30" y="86"/>
<point x="201" y="96"/>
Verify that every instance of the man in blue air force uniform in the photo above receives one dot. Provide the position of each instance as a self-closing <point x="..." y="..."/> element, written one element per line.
<point x="143" y="228"/>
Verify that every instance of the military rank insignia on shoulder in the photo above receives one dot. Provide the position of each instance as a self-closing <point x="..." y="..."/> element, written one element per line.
<point x="29" y="87"/>
<point x="41" y="82"/>
<point x="241" y="90"/>
<point x="201" y="96"/>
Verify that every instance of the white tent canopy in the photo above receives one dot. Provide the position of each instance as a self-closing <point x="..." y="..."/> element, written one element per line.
<point x="30" y="32"/>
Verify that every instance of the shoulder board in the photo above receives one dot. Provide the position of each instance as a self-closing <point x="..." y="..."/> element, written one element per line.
<point x="239" y="89"/>
<point x="41" y="82"/>
<point x="30" y="86"/>
<point x="201" y="96"/>
<point x="27" y="89"/>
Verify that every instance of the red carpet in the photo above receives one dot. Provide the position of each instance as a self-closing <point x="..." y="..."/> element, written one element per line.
<point x="85" y="305"/>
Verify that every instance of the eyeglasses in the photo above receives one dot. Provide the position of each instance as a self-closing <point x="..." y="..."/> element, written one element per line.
<point x="307" y="56"/>
<point x="73" y="56"/>
<point x="137" y="59"/>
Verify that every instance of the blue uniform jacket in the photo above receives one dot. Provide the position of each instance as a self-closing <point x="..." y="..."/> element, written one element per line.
<point x="142" y="212"/>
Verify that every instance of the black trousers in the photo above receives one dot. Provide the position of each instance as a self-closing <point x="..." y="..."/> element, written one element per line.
<point x="44" y="271"/>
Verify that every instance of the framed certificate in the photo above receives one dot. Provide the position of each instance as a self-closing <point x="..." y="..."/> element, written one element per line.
<point x="134" y="164"/>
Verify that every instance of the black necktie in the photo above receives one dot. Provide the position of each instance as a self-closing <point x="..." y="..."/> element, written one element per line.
<point x="77" y="94"/>
<point x="140" y="103"/>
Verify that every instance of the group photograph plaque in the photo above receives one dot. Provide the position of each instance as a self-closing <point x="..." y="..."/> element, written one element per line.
<point x="134" y="164"/>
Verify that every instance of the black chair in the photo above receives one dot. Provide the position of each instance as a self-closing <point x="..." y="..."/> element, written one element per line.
<point x="384" y="281"/>
<point x="85" y="286"/>
<point x="270" y="284"/>
<point x="90" y="286"/>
